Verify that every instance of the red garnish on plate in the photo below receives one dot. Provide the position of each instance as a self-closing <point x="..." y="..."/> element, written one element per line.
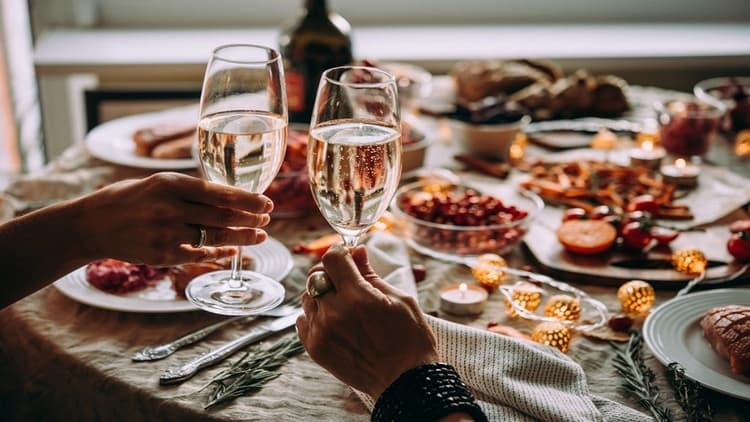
<point x="119" y="277"/>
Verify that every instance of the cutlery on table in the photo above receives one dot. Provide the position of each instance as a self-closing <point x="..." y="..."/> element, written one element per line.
<point x="151" y="353"/>
<point x="265" y="329"/>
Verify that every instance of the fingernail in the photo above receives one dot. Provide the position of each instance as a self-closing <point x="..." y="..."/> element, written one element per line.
<point x="265" y="219"/>
<point x="260" y="235"/>
<point x="267" y="205"/>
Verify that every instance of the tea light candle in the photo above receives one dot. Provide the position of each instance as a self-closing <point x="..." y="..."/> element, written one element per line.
<point x="681" y="173"/>
<point x="463" y="299"/>
<point x="647" y="155"/>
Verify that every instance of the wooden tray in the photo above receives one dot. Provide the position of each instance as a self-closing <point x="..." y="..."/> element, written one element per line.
<point x="619" y="266"/>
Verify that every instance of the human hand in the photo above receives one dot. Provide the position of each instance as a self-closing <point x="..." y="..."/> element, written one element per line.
<point x="156" y="219"/>
<point x="365" y="332"/>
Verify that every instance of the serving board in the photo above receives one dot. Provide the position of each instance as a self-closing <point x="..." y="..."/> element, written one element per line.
<point x="618" y="265"/>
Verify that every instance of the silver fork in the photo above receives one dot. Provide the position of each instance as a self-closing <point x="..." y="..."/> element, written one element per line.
<point x="161" y="351"/>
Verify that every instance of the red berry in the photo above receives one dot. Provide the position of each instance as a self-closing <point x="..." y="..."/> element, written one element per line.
<point x="635" y="235"/>
<point x="739" y="246"/>
<point x="574" y="214"/>
<point x="621" y="323"/>
<point x="643" y="203"/>
<point x="419" y="271"/>
<point x="664" y="235"/>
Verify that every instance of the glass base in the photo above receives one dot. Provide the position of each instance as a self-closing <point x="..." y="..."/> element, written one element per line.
<point x="212" y="292"/>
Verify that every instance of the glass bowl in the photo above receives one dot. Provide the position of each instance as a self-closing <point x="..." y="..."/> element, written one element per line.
<point x="734" y="93"/>
<point x="455" y="233"/>
<point x="414" y="82"/>
<point x="688" y="126"/>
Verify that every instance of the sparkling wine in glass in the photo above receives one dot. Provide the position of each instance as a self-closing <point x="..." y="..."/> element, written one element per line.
<point x="354" y="153"/>
<point x="241" y="142"/>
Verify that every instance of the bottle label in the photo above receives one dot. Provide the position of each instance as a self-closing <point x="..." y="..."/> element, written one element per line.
<point x="295" y="91"/>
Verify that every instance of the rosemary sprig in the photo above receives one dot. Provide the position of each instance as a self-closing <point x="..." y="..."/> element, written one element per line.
<point x="689" y="394"/>
<point x="638" y="379"/>
<point x="252" y="371"/>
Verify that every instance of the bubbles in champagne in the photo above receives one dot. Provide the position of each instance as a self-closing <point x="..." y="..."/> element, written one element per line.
<point x="354" y="170"/>
<point x="242" y="148"/>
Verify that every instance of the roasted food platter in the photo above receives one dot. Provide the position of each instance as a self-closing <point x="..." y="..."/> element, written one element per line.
<point x="617" y="265"/>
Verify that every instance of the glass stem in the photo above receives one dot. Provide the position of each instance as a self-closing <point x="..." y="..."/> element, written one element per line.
<point x="235" y="278"/>
<point x="350" y="241"/>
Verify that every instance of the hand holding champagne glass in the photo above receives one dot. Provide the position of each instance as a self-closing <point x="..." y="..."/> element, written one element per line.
<point x="242" y="139"/>
<point x="354" y="154"/>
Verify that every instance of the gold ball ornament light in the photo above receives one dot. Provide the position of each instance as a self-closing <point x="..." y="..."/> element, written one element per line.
<point x="524" y="295"/>
<point x="487" y="270"/>
<point x="552" y="333"/>
<point x="689" y="261"/>
<point x="563" y="307"/>
<point x="636" y="297"/>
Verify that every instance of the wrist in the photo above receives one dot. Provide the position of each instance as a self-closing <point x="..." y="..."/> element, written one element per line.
<point x="381" y="385"/>
<point x="77" y="218"/>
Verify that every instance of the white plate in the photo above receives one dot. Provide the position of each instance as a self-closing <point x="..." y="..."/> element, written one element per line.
<point x="673" y="333"/>
<point x="271" y="258"/>
<point x="113" y="140"/>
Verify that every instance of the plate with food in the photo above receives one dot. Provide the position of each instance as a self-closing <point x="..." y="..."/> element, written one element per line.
<point x="121" y="286"/>
<point x="708" y="333"/>
<point x="160" y="140"/>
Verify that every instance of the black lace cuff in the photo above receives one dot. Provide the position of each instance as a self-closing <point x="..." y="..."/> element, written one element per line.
<point x="426" y="393"/>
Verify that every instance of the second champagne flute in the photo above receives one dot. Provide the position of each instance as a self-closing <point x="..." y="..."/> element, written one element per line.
<point x="241" y="142"/>
<point x="354" y="154"/>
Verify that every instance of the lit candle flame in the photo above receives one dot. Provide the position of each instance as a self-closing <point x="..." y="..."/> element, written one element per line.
<point x="647" y="145"/>
<point x="463" y="288"/>
<point x="680" y="163"/>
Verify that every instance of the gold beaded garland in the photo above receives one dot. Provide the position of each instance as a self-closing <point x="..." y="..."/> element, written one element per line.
<point x="525" y="295"/>
<point x="689" y="261"/>
<point x="552" y="333"/>
<point x="636" y="296"/>
<point x="486" y="270"/>
<point x="563" y="307"/>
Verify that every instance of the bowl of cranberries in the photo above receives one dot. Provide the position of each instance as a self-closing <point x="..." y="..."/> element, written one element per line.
<point x="453" y="222"/>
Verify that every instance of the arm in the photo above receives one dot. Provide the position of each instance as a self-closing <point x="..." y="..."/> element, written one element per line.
<point x="375" y="338"/>
<point x="153" y="221"/>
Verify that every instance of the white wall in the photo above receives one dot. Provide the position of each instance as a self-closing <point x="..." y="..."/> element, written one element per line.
<point x="192" y="13"/>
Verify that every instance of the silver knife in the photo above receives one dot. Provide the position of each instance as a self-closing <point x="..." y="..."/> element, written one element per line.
<point x="259" y="332"/>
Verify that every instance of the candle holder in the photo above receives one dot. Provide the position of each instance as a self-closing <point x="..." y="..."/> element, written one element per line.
<point x="647" y="155"/>
<point x="526" y="295"/>
<point x="463" y="299"/>
<point x="681" y="173"/>
<point x="636" y="297"/>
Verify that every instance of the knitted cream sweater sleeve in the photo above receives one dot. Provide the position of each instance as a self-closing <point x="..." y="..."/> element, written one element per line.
<point x="516" y="380"/>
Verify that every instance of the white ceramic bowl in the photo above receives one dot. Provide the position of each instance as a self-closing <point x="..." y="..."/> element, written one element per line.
<point x="488" y="141"/>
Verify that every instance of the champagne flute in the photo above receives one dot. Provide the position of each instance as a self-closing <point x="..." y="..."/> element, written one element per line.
<point x="241" y="142"/>
<point x="354" y="153"/>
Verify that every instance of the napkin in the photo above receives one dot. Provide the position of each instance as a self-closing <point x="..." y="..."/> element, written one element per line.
<point x="512" y="379"/>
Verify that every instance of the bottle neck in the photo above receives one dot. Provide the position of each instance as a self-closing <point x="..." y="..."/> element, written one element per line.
<point x="316" y="7"/>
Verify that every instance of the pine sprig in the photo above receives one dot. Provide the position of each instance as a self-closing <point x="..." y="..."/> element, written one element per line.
<point x="252" y="371"/>
<point x="689" y="394"/>
<point x="639" y="379"/>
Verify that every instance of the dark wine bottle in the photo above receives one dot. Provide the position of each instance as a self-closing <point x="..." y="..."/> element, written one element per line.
<point x="319" y="40"/>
